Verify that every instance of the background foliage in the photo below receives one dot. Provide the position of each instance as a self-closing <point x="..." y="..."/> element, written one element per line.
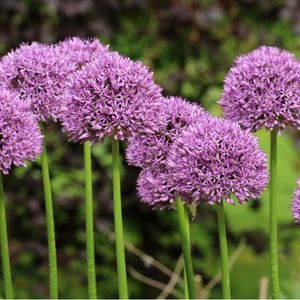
<point x="190" y="45"/>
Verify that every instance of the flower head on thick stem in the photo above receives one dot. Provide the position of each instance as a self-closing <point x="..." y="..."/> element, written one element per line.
<point x="35" y="73"/>
<point x="152" y="149"/>
<point x="214" y="159"/>
<point x="20" y="137"/>
<point x="262" y="90"/>
<point x="110" y="96"/>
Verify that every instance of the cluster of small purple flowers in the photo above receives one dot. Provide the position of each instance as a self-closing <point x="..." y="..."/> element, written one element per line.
<point x="151" y="150"/>
<point x="198" y="158"/>
<point x="215" y="159"/>
<point x="94" y="93"/>
<point x="176" y="114"/>
<point x="36" y="75"/>
<point x="182" y="150"/>
<point x="20" y="137"/>
<point x="296" y="203"/>
<point x="262" y="90"/>
<point x="209" y="160"/>
<point x="110" y="96"/>
<point x="33" y="81"/>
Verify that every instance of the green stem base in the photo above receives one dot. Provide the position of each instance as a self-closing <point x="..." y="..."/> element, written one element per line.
<point x="273" y="218"/>
<point x="53" y="286"/>
<point x="89" y="225"/>
<point x="187" y="226"/>
<point x="120" y="250"/>
<point x="186" y="249"/>
<point x="8" y="287"/>
<point x="224" y="251"/>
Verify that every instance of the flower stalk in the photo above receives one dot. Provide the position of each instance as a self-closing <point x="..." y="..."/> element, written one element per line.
<point x="53" y="285"/>
<point x="224" y="251"/>
<point x="89" y="212"/>
<point x="187" y="226"/>
<point x="273" y="217"/>
<point x="120" y="249"/>
<point x="186" y="249"/>
<point x="8" y="287"/>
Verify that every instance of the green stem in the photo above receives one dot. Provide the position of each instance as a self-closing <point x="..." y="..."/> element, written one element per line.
<point x="120" y="250"/>
<point x="273" y="218"/>
<point x="187" y="226"/>
<point x="89" y="225"/>
<point x="53" y="288"/>
<point x="4" y="246"/>
<point x="186" y="249"/>
<point x="224" y="251"/>
<point x="186" y="288"/>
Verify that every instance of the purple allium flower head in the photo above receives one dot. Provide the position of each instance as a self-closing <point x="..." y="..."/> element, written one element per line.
<point x="296" y="203"/>
<point x="36" y="74"/>
<point x="20" y="137"/>
<point x="110" y="96"/>
<point x="262" y="90"/>
<point x="153" y="148"/>
<point x="215" y="158"/>
<point x="154" y="188"/>
<point x="77" y="52"/>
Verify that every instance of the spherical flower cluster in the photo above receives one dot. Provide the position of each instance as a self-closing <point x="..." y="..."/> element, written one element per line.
<point x="152" y="149"/>
<point x="36" y="74"/>
<point x="110" y="96"/>
<point x="154" y="188"/>
<point x="76" y="52"/>
<point x="214" y="159"/>
<point x="296" y="203"/>
<point x="262" y="90"/>
<point x="20" y="137"/>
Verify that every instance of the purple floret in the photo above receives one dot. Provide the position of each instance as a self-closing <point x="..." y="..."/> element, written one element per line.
<point x="296" y="203"/>
<point x="39" y="72"/>
<point x="154" y="188"/>
<point x="153" y="148"/>
<point x="77" y="52"/>
<point x="34" y="72"/>
<point x="214" y="159"/>
<point x="110" y="96"/>
<point x="20" y="137"/>
<point x="262" y="90"/>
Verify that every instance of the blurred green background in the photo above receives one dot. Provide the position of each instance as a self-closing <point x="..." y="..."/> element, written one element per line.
<point x="190" y="45"/>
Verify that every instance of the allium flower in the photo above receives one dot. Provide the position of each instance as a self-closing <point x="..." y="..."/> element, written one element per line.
<point x="153" y="148"/>
<point x="36" y="74"/>
<point x="296" y="203"/>
<point x="110" y="96"/>
<point x="154" y="188"/>
<point x="214" y="159"/>
<point x="76" y="52"/>
<point x="262" y="90"/>
<point x="20" y="137"/>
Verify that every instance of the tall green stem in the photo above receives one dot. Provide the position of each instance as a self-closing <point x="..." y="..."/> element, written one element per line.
<point x="89" y="225"/>
<point x="186" y="287"/>
<point x="4" y="246"/>
<point x="120" y="250"/>
<point x="224" y="251"/>
<point x="53" y="288"/>
<point x="186" y="249"/>
<point x="187" y="226"/>
<point x="273" y="217"/>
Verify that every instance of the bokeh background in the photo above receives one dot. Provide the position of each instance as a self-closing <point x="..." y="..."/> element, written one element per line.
<point x="190" y="45"/>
